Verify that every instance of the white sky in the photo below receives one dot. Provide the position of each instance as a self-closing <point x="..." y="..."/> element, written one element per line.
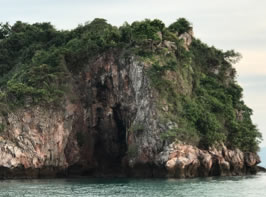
<point x="226" y="24"/>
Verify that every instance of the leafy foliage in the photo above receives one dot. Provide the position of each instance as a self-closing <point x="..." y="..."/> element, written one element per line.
<point x="180" y="26"/>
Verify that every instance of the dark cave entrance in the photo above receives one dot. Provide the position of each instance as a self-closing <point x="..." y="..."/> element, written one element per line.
<point x="110" y="145"/>
<point x="121" y="129"/>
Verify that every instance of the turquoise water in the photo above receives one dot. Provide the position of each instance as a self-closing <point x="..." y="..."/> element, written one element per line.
<point x="247" y="186"/>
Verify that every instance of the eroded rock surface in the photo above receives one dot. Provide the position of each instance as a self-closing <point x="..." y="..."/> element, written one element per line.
<point x="184" y="161"/>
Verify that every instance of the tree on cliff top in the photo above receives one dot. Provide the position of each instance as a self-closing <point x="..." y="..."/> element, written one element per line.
<point x="181" y="26"/>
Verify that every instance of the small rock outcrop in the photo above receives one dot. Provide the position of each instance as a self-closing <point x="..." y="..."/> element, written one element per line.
<point x="184" y="161"/>
<point x="187" y="37"/>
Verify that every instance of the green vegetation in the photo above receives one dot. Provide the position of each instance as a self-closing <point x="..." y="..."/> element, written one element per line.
<point x="180" y="26"/>
<point x="198" y="86"/>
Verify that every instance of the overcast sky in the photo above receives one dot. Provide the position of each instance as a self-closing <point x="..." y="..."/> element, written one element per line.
<point x="226" y="24"/>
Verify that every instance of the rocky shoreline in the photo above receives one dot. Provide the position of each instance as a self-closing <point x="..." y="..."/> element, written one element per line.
<point x="177" y="161"/>
<point x="186" y="161"/>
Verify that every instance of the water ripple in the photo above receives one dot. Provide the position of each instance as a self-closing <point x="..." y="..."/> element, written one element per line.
<point x="248" y="186"/>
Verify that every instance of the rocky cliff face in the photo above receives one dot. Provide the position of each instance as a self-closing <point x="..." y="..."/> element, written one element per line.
<point x="109" y="125"/>
<point x="131" y="100"/>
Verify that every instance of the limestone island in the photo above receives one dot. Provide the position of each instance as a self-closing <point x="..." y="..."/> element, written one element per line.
<point x="139" y="100"/>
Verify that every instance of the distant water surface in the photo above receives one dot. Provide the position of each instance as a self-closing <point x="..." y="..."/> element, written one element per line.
<point x="246" y="186"/>
<point x="262" y="155"/>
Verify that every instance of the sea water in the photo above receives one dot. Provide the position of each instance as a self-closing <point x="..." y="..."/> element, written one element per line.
<point x="239" y="186"/>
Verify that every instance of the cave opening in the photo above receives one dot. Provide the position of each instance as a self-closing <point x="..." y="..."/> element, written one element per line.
<point x="110" y="147"/>
<point x="121" y="131"/>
